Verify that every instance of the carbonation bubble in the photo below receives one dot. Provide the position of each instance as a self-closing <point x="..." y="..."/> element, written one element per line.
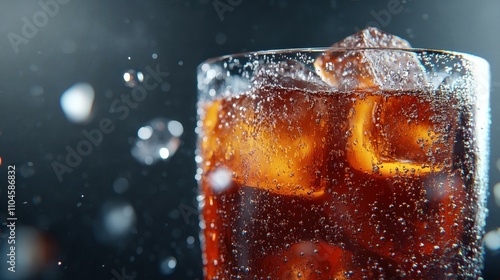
<point x="157" y="140"/>
<point x="132" y="78"/>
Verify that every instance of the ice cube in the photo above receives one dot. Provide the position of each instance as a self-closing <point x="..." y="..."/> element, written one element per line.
<point x="374" y="65"/>
<point x="309" y="260"/>
<point x="289" y="74"/>
<point x="401" y="134"/>
<point x="272" y="138"/>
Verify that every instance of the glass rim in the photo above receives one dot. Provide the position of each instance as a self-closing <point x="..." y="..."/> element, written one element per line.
<point x="337" y="49"/>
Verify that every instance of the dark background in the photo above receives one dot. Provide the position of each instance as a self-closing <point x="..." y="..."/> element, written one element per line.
<point x="91" y="41"/>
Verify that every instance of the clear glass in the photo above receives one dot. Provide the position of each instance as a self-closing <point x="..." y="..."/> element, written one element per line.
<point x="343" y="163"/>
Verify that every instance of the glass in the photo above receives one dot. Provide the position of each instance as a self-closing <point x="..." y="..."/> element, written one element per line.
<point x="383" y="175"/>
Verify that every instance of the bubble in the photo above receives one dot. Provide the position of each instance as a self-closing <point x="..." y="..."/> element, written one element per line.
<point x="167" y="265"/>
<point x="120" y="185"/>
<point x="132" y="78"/>
<point x="157" y="140"/>
<point x="154" y="56"/>
<point x="76" y="102"/>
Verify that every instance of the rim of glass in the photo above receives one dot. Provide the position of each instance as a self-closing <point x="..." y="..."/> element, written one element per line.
<point x="325" y="49"/>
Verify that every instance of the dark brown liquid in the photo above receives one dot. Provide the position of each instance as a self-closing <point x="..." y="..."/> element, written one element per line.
<point x="337" y="186"/>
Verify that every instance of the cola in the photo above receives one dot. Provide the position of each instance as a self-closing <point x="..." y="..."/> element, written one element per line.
<point x="305" y="175"/>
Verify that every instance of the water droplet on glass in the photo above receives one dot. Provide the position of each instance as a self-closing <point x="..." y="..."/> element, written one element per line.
<point x="220" y="179"/>
<point x="76" y="102"/>
<point x="167" y="265"/>
<point x="132" y="78"/>
<point x="157" y="139"/>
<point x="154" y="56"/>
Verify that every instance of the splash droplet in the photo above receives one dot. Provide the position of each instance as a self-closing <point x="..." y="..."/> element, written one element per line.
<point x="167" y="266"/>
<point x="157" y="140"/>
<point x="132" y="78"/>
<point x="76" y="102"/>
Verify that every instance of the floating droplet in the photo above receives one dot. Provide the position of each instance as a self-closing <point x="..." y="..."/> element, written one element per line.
<point x="157" y="139"/>
<point x="220" y="38"/>
<point x="496" y="193"/>
<point x="77" y="101"/>
<point x="27" y="170"/>
<point x="118" y="218"/>
<point x="492" y="240"/>
<point x="132" y="78"/>
<point x="167" y="266"/>
<point x="120" y="185"/>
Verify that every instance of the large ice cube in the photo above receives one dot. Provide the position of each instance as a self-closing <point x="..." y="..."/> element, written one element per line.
<point x="364" y="61"/>
<point x="273" y="137"/>
<point x="400" y="134"/>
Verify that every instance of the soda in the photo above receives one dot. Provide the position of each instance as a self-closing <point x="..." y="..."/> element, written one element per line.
<point x="307" y="176"/>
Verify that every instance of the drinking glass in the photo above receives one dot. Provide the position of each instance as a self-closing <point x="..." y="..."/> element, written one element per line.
<point x="343" y="164"/>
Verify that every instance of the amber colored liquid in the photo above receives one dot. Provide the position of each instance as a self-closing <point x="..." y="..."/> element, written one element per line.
<point x="328" y="185"/>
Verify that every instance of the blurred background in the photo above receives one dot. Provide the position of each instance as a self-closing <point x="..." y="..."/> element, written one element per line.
<point x="89" y="89"/>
